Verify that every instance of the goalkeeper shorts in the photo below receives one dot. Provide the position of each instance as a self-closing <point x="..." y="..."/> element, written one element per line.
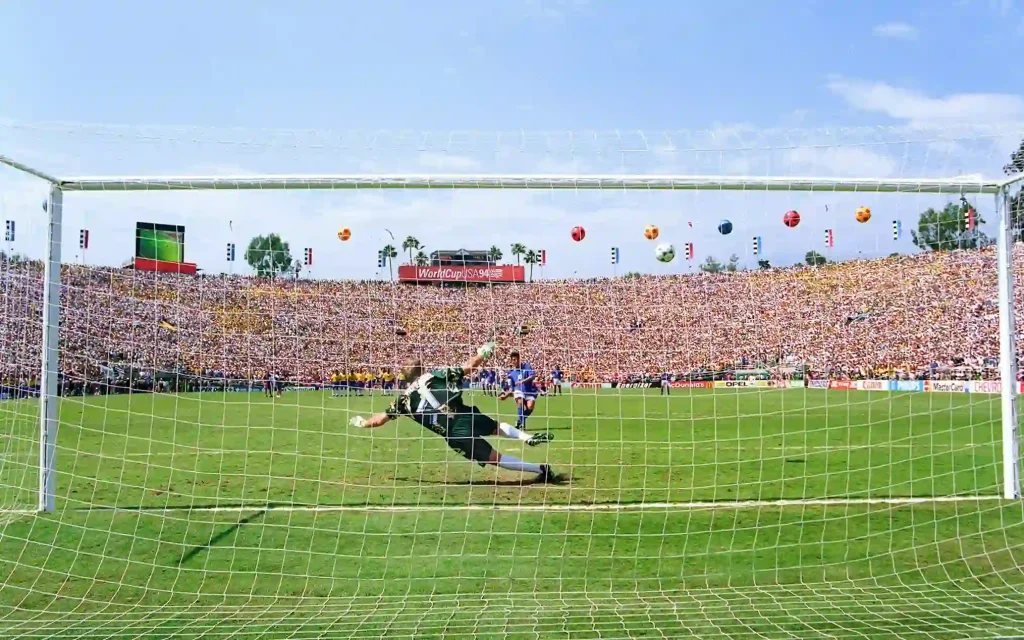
<point x="466" y="432"/>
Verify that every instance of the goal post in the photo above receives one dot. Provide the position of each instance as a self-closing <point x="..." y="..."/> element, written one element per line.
<point x="1008" y="345"/>
<point x="49" y="374"/>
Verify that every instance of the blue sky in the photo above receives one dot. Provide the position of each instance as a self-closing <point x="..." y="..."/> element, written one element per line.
<point x="737" y="70"/>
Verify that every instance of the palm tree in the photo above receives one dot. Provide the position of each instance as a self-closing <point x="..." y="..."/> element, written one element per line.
<point x="410" y="244"/>
<point x="421" y="259"/>
<point x="531" y="258"/>
<point x="390" y="254"/>
<point x="494" y="253"/>
<point x="518" y="249"/>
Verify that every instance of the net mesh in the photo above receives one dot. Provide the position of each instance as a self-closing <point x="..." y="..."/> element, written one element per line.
<point x="750" y="448"/>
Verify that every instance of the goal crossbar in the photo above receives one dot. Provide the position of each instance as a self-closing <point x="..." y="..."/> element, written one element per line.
<point x="539" y="182"/>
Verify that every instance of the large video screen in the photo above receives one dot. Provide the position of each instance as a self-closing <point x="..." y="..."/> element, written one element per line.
<point x="164" y="242"/>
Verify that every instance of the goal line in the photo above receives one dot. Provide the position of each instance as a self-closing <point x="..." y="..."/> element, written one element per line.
<point x="700" y="505"/>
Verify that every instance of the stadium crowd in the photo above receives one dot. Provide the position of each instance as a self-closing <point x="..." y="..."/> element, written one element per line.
<point x="917" y="316"/>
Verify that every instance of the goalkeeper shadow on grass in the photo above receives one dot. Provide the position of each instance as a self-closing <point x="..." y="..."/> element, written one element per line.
<point x="560" y="480"/>
<point x="195" y="551"/>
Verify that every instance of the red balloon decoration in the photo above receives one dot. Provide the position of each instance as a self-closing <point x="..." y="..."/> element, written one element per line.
<point x="578" y="233"/>
<point x="791" y="219"/>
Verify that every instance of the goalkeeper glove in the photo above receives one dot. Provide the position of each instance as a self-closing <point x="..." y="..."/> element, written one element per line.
<point x="487" y="349"/>
<point x="358" y="421"/>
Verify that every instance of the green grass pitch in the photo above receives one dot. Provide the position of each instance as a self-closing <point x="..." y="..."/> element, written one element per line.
<point x="754" y="513"/>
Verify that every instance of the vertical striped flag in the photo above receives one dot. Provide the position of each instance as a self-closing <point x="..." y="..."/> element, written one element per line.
<point x="9" y="231"/>
<point x="757" y="245"/>
<point x="689" y="251"/>
<point x="615" y="255"/>
<point x="309" y="256"/>
<point x="543" y="257"/>
<point x="83" y="239"/>
<point x="231" y="252"/>
<point x="897" y="230"/>
<point x="969" y="218"/>
<point x="829" y="238"/>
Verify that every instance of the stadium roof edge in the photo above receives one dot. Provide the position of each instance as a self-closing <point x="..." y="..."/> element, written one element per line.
<point x="532" y="182"/>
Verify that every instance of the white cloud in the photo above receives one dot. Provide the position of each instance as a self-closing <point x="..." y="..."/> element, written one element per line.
<point x="896" y="30"/>
<point x="921" y="109"/>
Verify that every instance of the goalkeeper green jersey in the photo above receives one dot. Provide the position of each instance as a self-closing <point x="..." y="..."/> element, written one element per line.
<point x="432" y="399"/>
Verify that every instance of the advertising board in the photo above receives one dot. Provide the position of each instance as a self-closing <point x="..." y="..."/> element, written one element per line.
<point x="909" y="385"/>
<point x="692" y="384"/>
<point x="740" y="384"/>
<point x="985" y="386"/>
<point x="946" y="386"/>
<point x="458" y="273"/>
<point x="872" y="385"/>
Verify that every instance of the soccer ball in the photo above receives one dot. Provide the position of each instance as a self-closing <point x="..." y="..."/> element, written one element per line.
<point x="578" y="233"/>
<point x="344" y="234"/>
<point x="665" y="252"/>
<point x="725" y="227"/>
<point x="791" y="219"/>
<point x="651" y="232"/>
<point x="863" y="214"/>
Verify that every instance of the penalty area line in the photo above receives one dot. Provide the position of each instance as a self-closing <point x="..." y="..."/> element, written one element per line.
<point x="607" y="507"/>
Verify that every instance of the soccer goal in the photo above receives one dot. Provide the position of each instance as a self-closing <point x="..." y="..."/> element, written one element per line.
<point x="294" y="384"/>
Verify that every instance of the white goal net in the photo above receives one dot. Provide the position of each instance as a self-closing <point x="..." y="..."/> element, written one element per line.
<point x="297" y="384"/>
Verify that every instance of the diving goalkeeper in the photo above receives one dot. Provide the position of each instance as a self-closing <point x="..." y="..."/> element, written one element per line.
<point x="434" y="400"/>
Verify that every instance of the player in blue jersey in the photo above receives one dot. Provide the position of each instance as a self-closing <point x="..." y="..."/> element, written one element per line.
<point x="522" y="378"/>
<point x="556" y="381"/>
<point x="666" y="385"/>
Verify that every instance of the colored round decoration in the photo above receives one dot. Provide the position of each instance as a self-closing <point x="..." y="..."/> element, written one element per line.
<point x="791" y="219"/>
<point x="578" y="233"/>
<point x="725" y="227"/>
<point x="863" y="214"/>
<point x="665" y="252"/>
<point x="651" y="232"/>
<point x="344" y="234"/>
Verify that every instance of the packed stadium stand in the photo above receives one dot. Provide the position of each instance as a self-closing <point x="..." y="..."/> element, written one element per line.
<point x="925" y="315"/>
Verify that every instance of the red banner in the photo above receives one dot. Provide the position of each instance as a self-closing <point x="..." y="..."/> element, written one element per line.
<point x="145" y="264"/>
<point x="845" y="385"/>
<point x="693" y="384"/>
<point x="508" y="273"/>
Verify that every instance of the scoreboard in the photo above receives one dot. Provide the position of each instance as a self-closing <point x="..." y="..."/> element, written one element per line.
<point x="161" y="247"/>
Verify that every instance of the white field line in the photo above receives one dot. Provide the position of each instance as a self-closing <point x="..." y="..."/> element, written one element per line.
<point x="545" y="508"/>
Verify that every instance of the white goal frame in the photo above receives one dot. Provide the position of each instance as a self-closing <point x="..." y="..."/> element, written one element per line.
<point x="999" y="188"/>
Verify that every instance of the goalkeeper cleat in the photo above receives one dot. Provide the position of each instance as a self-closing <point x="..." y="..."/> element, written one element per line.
<point x="548" y="476"/>
<point x="540" y="438"/>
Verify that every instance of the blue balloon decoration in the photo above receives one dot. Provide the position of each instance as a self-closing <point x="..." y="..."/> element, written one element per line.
<point x="725" y="227"/>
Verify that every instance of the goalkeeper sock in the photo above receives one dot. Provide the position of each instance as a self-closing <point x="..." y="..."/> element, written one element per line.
<point x="515" y="464"/>
<point x="521" y="416"/>
<point x="509" y="431"/>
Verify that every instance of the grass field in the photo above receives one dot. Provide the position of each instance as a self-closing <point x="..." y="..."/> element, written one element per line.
<point x="756" y="513"/>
